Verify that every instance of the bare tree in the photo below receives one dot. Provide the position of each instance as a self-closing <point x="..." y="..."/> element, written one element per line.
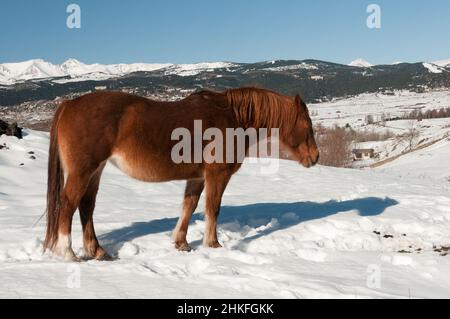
<point x="334" y="145"/>
<point x="383" y="119"/>
<point x="411" y="136"/>
<point x="369" y="119"/>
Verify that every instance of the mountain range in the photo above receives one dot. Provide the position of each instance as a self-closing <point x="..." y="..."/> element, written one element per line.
<point x="315" y="80"/>
<point x="74" y="70"/>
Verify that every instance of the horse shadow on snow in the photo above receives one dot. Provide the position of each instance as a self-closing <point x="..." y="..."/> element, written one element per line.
<point x="254" y="216"/>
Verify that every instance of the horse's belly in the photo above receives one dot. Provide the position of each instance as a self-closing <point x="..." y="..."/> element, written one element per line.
<point x="152" y="169"/>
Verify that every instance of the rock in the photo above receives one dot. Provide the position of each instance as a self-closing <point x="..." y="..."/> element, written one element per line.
<point x="10" y="129"/>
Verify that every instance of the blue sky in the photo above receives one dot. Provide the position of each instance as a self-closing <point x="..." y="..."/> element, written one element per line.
<point x="185" y="31"/>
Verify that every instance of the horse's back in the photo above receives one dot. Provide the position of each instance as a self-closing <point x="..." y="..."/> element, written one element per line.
<point x="135" y="132"/>
<point x="92" y="119"/>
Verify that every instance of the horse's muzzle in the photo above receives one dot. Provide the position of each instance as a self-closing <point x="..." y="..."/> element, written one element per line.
<point x="309" y="161"/>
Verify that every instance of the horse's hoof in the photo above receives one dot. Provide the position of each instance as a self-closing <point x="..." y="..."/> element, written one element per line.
<point x="69" y="258"/>
<point x="105" y="257"/>
<point x="75" y="259"/>
<point x="183" y="247"/>
<point x="97" y="253"/>
<point x="66" y="256"/>
<point x="214" y="245"/>
<point x="102" y="255"/>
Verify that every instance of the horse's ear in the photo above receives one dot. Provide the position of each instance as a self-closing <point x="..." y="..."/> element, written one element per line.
<point x="298" y="100"/>
<point x="299" y="103"/>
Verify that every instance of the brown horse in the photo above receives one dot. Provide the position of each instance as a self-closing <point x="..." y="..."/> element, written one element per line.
<point x="135" y="134"/>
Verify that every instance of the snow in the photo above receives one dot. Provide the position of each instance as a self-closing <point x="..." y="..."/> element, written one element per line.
<point x="442" y="63"/>
<point x="301" y="66"/>
<point x="352" y="111"/>
<point x="194" y="69"/>
<point x="361" y="63"/>
<point x="297" y="233"/>
<point x="316" y="77"/>
<point x="32" y="69"/>
<point x="428" y="167"/>
<point x="432" y="68"/>
<point x="75" y="70"/>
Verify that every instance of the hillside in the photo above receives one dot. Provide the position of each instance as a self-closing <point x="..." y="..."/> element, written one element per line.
<point x="315" y="80"/>
<point x="427" y="167"/>
<point x="320" y="232"/>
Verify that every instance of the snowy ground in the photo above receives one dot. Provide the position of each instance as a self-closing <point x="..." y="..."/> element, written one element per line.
<point x="298" y="233"/>
<point x="354" y="111"/>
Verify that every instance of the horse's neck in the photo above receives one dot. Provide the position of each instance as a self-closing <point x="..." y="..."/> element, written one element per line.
<point x="246" y="116"/>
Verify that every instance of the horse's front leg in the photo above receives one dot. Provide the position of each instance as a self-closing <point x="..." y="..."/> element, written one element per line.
<point x="216" y="182"/>
<point x="194" y="188"/>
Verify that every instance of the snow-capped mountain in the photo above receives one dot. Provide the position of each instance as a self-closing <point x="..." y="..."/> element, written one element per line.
<point x="75" y="70"/>
<point x="32" y="69"/>
<point x="434" y="68"/>
<point x="316" y="80"/>
<point x="361" y="63"/>
<point x="442" y="63"/>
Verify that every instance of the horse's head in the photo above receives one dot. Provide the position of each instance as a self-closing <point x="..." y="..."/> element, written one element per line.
<point x="259" y="108"/>
<point x="300" y="141"/>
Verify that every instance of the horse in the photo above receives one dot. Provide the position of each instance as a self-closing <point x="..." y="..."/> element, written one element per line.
<point x="134" y="133"/>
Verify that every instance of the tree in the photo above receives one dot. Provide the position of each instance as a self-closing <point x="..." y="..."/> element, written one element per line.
<point x="383" y="119"/>
<point x="412" y="135"/>
<point x="369" y="119"/>
<point x="334" y="145"/>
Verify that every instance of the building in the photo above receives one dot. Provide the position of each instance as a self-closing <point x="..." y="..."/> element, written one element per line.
<point x="363" y="154"/>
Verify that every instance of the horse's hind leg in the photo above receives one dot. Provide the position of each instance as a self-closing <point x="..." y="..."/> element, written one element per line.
<point x="73" y="191"/>
<point x="192" y="194"/>
<point x="87" y="204"/>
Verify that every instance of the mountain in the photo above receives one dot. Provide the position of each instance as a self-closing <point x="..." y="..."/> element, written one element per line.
<point x="28" y="70"/>
<point x="316" y="80"/>
<point x="360" y="63"/>
<point x="442" y="63"/>
<point x="434" y="68"/>
<point x="74" y="70"/>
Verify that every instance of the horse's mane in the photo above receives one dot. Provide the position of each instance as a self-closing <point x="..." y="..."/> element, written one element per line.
<point x="259" y="108"/>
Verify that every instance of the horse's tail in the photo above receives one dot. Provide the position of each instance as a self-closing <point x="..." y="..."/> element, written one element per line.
<point x="55" y="183"/>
